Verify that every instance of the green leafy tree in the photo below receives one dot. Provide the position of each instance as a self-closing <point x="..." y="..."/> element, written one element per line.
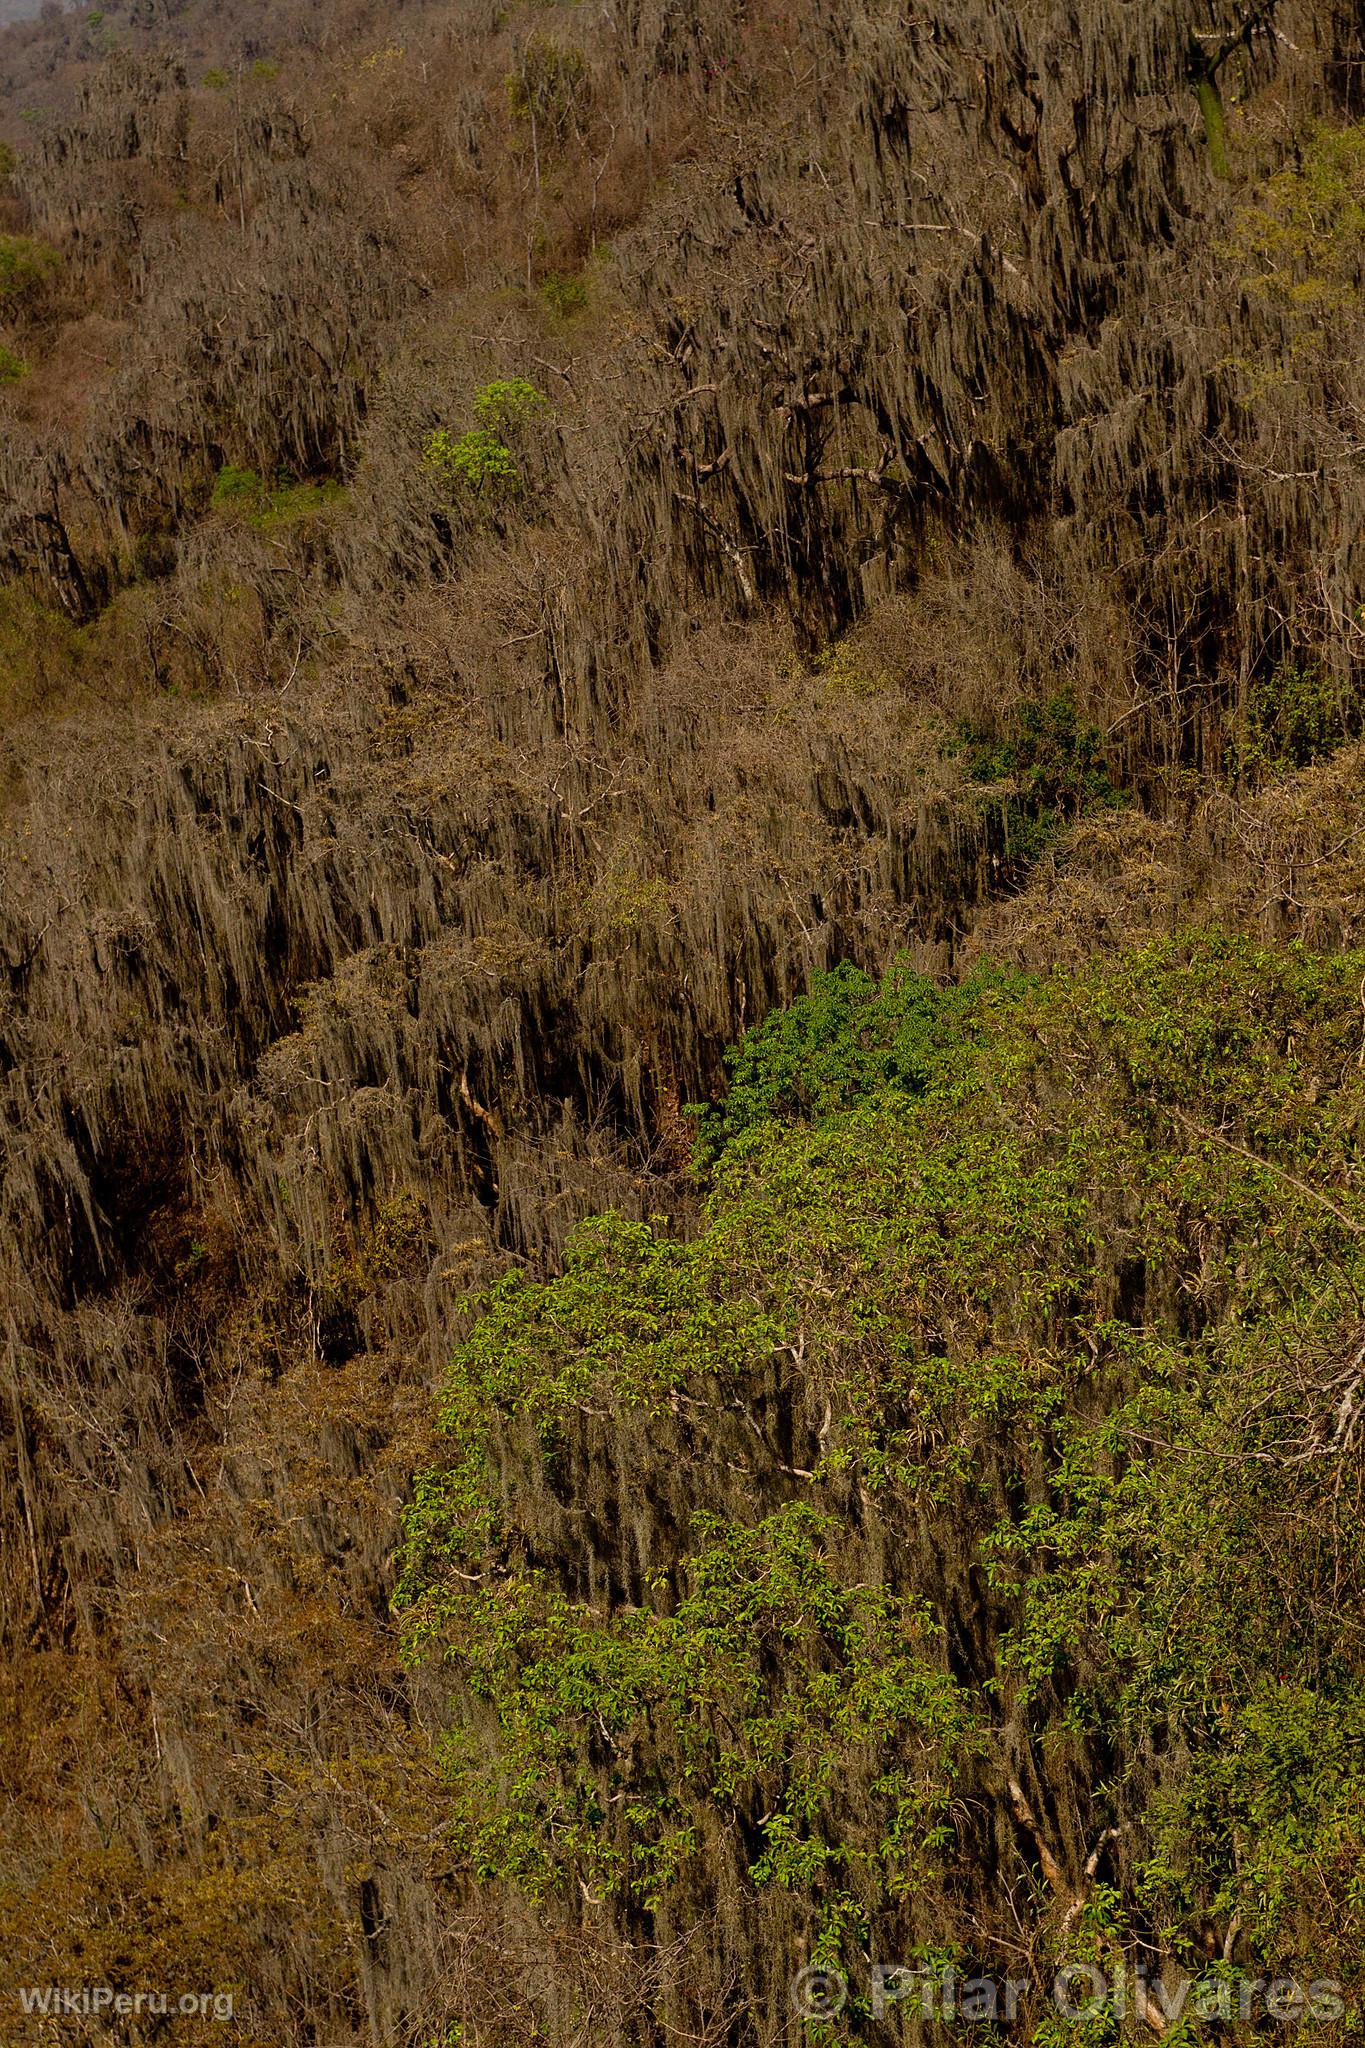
<point x="480" y="460"/>
<point x="477" y="459"/>
<point x="1073" y="1269"/>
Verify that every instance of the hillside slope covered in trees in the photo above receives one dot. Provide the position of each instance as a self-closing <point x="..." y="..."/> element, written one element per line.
<point x="539" y="543"/>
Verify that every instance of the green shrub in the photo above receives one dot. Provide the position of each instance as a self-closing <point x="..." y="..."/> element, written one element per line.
<point x="1046" y="764"/>
<point x="564" y="296"/>
<point x="1053" y="759"/>
<point x="769" y="1654"/>
<point x="245" y="493"/>
<point x="1302" y="244"/>
<point x="12" y="367"/>
<point x="849" y="1037"/>
<point x="839" y="665"/>
<point x="290" y="502"/>
<point x="507" y="404"/>
<point x="235" y="487"/>
<point x="477" y="459"/>
<point x="25" y="266"/>
<point x="1294" y="716"/>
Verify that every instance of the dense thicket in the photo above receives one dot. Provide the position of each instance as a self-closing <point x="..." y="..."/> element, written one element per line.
<point x="526" y="534"/>
<point x="954" y="1553"/>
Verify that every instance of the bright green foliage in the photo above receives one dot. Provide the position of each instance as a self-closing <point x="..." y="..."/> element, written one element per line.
<point x="25" y="266"/>
<point x="1306" y="236"/>
<point x="1294" y="716"/>
<point x="849" y="1037"/>
<point x="234" y="486"/>
<point x="1273" y="1810"/>
<point x="481" y="460"/>
<point x="290" y="502"/>
<point x="12" y="367"/>
<point x="1073" y="1268"/>
<point x="694" y="1690"/>
<point x="628" y="1320"/>
<point x="477" y="459"/>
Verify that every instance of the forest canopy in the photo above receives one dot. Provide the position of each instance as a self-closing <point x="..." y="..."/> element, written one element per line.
<point x="680" y="1018"/>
